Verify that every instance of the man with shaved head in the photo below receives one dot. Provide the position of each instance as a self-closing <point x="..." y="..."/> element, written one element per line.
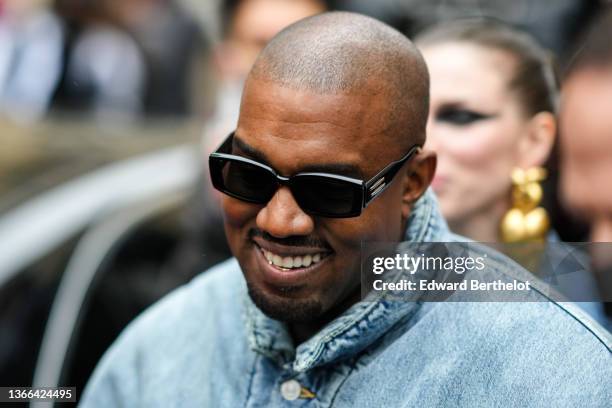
<point x="341" y="84"/>
<point x="326" y="157"/>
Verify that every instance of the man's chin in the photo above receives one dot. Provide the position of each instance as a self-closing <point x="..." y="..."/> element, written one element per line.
<point x="285" y="309"/>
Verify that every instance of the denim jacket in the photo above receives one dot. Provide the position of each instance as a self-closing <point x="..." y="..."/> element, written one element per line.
<point x="207" y="345"/>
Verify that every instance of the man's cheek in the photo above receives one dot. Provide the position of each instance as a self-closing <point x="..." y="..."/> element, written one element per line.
<point x="382" y="219"/>
<point x="346" y="235"/>
<point x="237" y="213"/>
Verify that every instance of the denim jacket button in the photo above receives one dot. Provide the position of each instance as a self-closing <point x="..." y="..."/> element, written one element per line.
<point x="290" y="390"/>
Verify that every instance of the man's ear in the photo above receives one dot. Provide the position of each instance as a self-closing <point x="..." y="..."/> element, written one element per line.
<point x="416" y="179"/>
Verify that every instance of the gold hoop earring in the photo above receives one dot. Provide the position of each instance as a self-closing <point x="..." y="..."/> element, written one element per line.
<point x="526" y="221"/>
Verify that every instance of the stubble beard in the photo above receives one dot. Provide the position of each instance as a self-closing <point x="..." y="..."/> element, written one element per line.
<point x="285" y="309"/>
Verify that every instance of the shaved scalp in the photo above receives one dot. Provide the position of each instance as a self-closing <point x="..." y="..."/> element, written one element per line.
<point x="340" y="52"/>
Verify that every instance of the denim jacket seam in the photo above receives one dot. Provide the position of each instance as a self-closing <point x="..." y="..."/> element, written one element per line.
<point x="346" y="377"/>
<point x="251" y="378"/>
<point x="500" y="268"/>
<point x="595" y="334"/>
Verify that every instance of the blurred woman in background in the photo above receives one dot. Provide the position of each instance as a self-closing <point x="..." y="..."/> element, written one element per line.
<point x="492" y="123"/>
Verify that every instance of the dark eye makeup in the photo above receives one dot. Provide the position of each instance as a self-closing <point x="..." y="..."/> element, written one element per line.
<point x="460" y="116"/>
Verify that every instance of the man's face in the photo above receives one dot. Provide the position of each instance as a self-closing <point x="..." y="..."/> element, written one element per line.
<point x="586" y="141"/>
<point x="294" y="131"/>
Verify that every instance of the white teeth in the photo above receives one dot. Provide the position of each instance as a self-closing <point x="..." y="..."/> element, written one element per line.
<point x="288" y="262"/>
<point x="307" y="260"/>
<point x="292" y="262"/>
<point x="277" y="260"/>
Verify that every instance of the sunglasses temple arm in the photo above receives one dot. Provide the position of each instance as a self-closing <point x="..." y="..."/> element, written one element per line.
<point x="382" y="180"/>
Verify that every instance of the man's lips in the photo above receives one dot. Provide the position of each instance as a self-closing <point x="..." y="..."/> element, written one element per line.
<point x="288" y="265"/>
<point x="284" y="277"/>
<point x="289" y="250"/>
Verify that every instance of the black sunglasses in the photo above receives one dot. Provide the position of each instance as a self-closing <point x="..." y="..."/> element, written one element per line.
<point x="318" y="194"/>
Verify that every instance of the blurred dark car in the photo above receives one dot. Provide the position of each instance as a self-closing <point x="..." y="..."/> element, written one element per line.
<point x="92" y="231"/>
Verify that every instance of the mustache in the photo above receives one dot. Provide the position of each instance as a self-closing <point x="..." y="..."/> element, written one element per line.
<point x="296" y="240"/>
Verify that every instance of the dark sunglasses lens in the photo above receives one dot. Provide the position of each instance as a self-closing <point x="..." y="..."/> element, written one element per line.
<point x="327" y="197"/>
<point x="244" y="181"/>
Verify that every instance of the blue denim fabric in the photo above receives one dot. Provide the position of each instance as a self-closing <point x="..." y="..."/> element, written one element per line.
<point x="586" y="288"/>
<point x="207" y="345"/>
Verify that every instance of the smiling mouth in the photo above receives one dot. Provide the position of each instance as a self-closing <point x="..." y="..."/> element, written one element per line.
<point x="288" y="263"/>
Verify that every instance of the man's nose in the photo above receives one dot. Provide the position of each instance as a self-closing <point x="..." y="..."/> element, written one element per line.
<point x="282" y="217"/>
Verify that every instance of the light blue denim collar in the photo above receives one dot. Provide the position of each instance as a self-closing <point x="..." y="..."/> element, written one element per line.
<point x="358" y="327"/>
